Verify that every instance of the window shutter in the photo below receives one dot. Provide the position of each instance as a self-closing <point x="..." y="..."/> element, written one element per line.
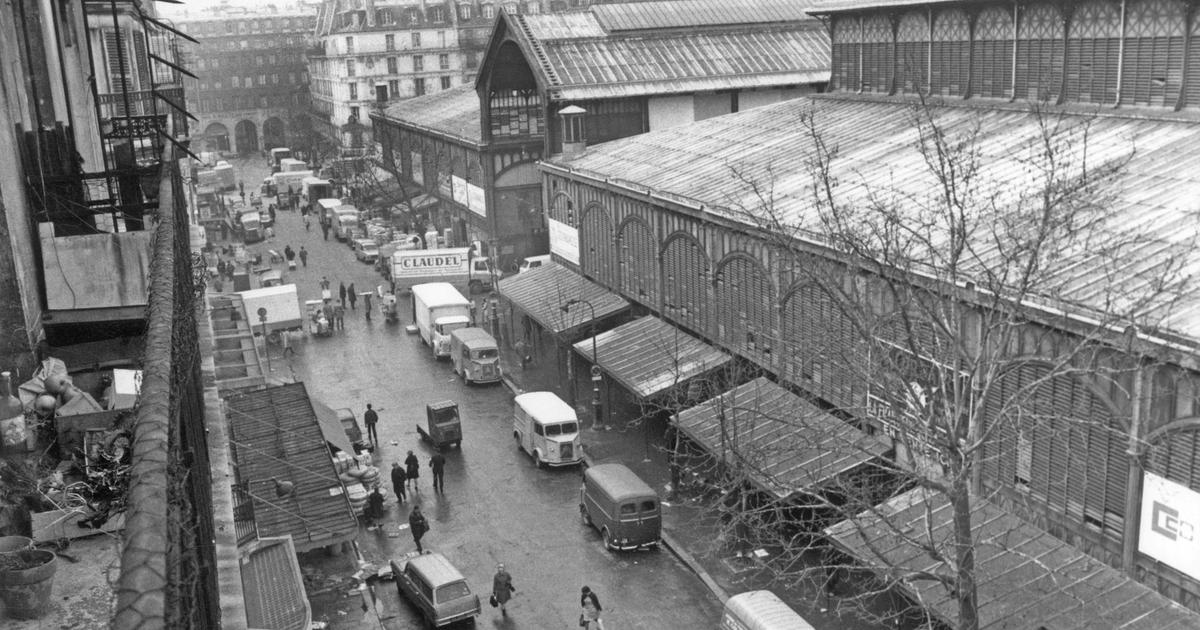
<point x="639" y="280"/>
<point x="992" y="62"/>
<point x="687" y="269"/>
<point x="744" y="306"/>
<point x="597" y="259"/>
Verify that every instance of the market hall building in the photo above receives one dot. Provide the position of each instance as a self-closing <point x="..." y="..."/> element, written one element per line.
<point x="613" y="71"/>
<point x="660" y="219"/>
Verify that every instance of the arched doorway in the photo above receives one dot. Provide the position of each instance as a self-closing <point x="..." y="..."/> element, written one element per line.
<point x="273" y="133"/>
<point x="246" y="137"/>
<point x="216" y="136"/>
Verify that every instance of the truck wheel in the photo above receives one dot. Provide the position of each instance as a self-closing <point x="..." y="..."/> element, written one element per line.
<point x="537" y="460"/>
<point x="587" y="520"/>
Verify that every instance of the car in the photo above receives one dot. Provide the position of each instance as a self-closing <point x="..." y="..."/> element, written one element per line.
<point x="437" y="589"/>
<point x="365" y="250"/>
<point x="533" y="262"/>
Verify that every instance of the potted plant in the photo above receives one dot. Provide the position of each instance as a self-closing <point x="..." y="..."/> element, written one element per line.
<point x="26" y="579"/>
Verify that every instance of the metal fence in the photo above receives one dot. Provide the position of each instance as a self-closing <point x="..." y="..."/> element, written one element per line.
<point x="168" y="565"/>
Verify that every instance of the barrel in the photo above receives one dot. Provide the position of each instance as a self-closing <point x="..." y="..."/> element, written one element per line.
<point x="26" y="592"/>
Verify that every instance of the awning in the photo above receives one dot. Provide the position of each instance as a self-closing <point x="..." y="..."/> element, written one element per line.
<point x="648" y="355"/>
<point x="332" y="428"/>
<point x="275" y="598"/>
<point x="276" y="438"/>
<point x="542" y="292"/>
<point x="1026" y="577"/>
<point x="784" y="443"/>
<point x="421" y="202"/>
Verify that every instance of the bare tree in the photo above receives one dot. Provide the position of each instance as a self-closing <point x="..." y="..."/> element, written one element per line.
<point x="929" y="285"/>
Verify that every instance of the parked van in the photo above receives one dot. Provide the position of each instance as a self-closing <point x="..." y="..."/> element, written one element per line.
<point x="475" y="355"/>
<point x="760" y="610"/>
<point x="547" y="429"/>
<point x="437" y="589"/>
<point x="621" y="506"/>
<point x="533" y="262"/>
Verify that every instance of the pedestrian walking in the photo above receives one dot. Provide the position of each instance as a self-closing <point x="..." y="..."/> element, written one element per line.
<point x="590" y="616"/>
<point x="243" y="193"/>
<point x="418" y="525"/>
<point x="242" y="188"/>
<point x="339" y="316"/>
<point x="370" y="417"/>
<point x="352" y="296"/>
<point x="271" y="211"/>
<point x="398" y="479"/>
<point x="502" y="589"/>
<point x="285" y="339"/>
<point x="367" y="304"/>
<point x="307" y="224"/>
<point x="438" y="464"/>
<point x="342" y="292"/>
<point x="289" y="253"/>
<point x="373" y="512"/>
<point x="325" y="229"/>
<point x="303" y="256"/>
<point x="412" y="467"/>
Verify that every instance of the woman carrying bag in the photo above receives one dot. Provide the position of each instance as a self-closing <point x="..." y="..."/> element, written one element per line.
<point x="502" y="589"/>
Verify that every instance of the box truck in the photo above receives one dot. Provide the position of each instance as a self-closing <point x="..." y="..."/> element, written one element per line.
<point x="454" y="265"/>
<point x="438" y="310"/>
<point x="226" y="178"/>
<point x="290" y="181"/>
<point x="345" y="223"/>
<point x="278" y="154"/>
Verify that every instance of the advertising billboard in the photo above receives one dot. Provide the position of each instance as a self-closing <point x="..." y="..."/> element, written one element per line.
<point x="1170" y="520"/>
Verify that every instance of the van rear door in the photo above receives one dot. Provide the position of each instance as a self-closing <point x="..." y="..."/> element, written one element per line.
<point x="641" y="520"/>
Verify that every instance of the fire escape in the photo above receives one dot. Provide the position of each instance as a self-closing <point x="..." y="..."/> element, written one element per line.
<point x="93" y="174"/>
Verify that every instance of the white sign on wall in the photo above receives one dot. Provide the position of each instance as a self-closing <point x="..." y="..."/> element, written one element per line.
<point x="564" y="240"/>
<point x="418" y="169"/>
<point x="476" y="200"/>
<point x="1170" y="528"/>
<point x="458" y="188"/>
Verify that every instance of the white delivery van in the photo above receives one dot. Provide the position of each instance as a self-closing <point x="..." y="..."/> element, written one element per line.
<point x="760" y="610"/>
<point x="438" y="310"/>
<point x="547" y="428"/>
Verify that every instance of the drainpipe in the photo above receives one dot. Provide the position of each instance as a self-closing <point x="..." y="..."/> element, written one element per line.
<point x="1121" y="56"/>
<point x="1133" y="485"/>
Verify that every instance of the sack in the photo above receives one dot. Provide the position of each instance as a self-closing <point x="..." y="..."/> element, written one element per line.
<point x="493" y="601"/>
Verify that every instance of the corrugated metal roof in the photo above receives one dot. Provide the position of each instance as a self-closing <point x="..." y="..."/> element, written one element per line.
<point x="646" y="16"/>
<point x="331" y="427"/>
<point x="788" y="444"/>
<point x="274" y="588"/>
<point x="453" y="112"/>
<point x="669" y="61"/>
<point x="551" y="26"/>
<point x="835" y="6"/>
<point x="1026" y="577"/>
<point x="648" y="355"/>
<point x="1147" y="221"/>
<point x="276" y="435"/>
<point x="542" y="291"/>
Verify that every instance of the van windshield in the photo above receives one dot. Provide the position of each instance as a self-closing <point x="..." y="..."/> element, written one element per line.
<point x="451" y="592"/>
<point x="446" y="329"/>
<point x="487" y="353"/>
<point x="565" y="428"/>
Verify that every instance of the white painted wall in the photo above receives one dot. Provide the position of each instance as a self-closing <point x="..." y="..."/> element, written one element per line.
<point x="671" y="111"/>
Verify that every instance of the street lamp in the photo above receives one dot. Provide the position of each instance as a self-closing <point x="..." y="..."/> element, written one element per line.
<point x="262" y="318"/>
<point x="596" y="377"/>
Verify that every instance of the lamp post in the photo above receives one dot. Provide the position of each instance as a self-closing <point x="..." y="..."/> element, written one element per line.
<point x="596" y="375"/>
<point x="262" y="318"/>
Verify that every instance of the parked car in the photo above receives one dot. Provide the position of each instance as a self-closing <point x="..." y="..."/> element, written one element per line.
<point x="533" y="262"/>
<point x="366" y="250"/>
<point x="437" y="589"/>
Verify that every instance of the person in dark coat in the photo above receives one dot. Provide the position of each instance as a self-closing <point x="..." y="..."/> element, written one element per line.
<point x="342" y="292"/>
<point x="591" y="606"/>
<point x="412" y="467"/>
<point x="438" y="464"/>
<point x="502" y="588"/>
<point x="398" y="479"/>
<point x="352" y="296"/>
<point x="374" y="509"/>
<point x="371" y="418"/>
<point x="289" y="253"/>
<point x="418" y="525"/>
<point x="303" y="256"/>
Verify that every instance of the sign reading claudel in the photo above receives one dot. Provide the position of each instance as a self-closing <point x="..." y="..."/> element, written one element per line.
<point x="564" y="240"/>
<point x="1170" y="530"/>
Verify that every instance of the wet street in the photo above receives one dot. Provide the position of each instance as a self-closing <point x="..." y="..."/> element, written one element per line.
<point x="497" y="506"/>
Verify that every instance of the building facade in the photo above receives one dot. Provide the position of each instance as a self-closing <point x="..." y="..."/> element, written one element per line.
<point x="251" y="91"/>
<point x="662" y="220"/>
<point x="626" y="68"/>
